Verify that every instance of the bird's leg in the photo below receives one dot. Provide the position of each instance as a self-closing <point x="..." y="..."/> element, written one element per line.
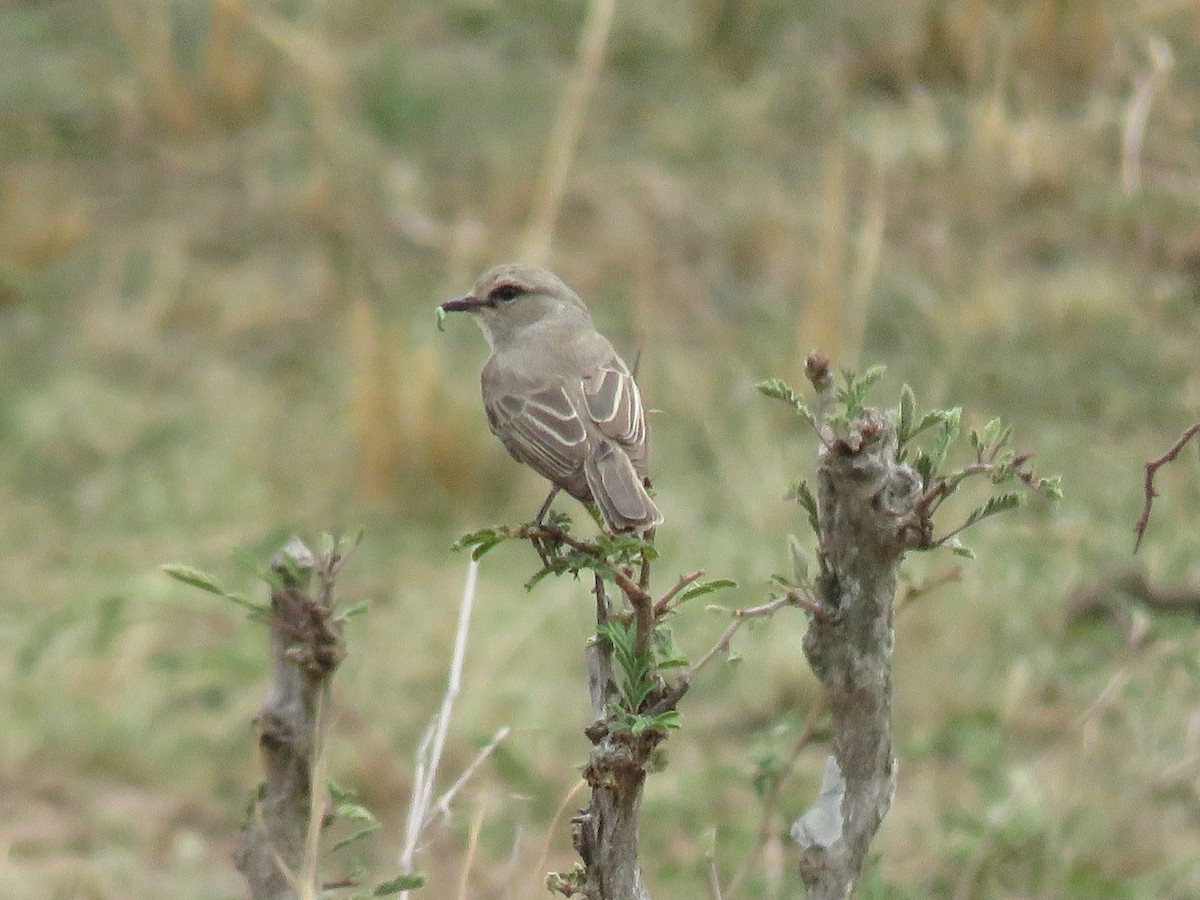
<point x="546" y="506"/>
<point x="538" y="544"/>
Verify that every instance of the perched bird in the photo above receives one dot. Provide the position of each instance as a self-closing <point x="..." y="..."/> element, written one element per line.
<point x="558" y="396"/>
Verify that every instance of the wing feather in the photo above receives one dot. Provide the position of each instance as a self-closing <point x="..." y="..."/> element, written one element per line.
<point x="541" y="430"/>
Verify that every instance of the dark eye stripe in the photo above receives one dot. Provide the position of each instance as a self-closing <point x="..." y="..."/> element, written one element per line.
<point x="505" y="292"/>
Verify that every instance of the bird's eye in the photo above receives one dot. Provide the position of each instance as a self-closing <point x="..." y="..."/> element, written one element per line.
<point x="505" y="292"/>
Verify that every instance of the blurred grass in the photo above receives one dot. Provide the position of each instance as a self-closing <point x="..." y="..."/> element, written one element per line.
<point x="223" y="229"/>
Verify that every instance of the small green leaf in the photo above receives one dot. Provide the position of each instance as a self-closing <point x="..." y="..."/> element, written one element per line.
<point x="955" y="546"/>
<point x="946" y="437"/>
<point x="327" y="543"/>
<point x="356" y="812"/>
<point x="777" y="389"/>
<point x="409" y="882"/>
<point x="356" y="609"/>
<point x="1051" y="487"/>
<point x="908" y="405"/>
<point x="441" y="319"/>
<point x="196" y="578"/>
<point x="801" y="493"/>
<point x="799" y="560"/>
<point x="994" y="505"/>
<point x="704" y="588"/>
<point x="871" y="376"/>
<point x="924" y="467"/>
<point x="252" y="564"/>
<point x="931" y="418"/>
<point x="339" y="793"/>
<point x="357" y="836"/>
<point x="243" y="600"/>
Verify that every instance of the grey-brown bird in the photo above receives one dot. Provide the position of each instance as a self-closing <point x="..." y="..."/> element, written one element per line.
<point x="558" y="396"/>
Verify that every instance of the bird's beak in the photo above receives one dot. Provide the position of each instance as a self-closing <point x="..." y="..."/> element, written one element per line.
<point x="465" y="304"/>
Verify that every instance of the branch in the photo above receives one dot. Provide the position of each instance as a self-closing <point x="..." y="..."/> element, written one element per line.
<point x="664" y="602"/>
<point x="278" y="848"/>
<point x="429" y="754"/>
<point x="865" y="497"/>
<point x="1152" y="468"/>
<point x="744" y="615"/>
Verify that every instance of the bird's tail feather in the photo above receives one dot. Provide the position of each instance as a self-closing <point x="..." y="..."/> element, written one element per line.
<point x="618" y="490"/>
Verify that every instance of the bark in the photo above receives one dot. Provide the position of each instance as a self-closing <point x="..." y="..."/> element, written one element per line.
<point x="606" y="832"/>
<point x="866" y="506"/>
<point x="305" y="650"/>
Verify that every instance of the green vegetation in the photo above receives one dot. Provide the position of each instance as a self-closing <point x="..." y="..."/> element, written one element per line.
<point x="224" y="229"/>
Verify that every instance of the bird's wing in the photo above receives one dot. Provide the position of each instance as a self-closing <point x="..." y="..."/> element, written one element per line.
<point x="615" y="404"/>
<point x="541" y="429"/>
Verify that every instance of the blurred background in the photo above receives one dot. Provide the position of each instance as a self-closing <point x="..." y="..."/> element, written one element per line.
<point x="224" y="227"/>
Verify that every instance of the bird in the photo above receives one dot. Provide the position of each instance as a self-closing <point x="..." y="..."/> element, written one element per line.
<point x="558" y="396"/>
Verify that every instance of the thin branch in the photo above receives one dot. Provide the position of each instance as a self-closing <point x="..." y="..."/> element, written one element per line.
<point x="442" y="806"/>
<point x="317" y="800"/>
<point x="913" y="591"/>
<point x="1152" y="468"/>
<point x="539" y="870"/>
<point x="714" y="881"/>
<point x="664" y="602"/>
<point x="430" y="754"/>
<point x="644" y="578"/>
<point x="1138" y="113"/>
<point x="630" y="589"/>
<point x="744" y="615"/>
<point x="472" y="846"/>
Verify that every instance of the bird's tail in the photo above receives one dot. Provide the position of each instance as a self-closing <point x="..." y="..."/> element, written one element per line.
<point x="618" y="490"/>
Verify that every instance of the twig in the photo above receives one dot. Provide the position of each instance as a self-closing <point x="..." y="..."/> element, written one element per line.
<point x="442" y="806"/>
<point x="664" y="602"/>
<point x="1138" y="113"/>
<point x="430" y="753"/>
<point x="714" y="881"/>
<point x="472" y="845"/>
<point x="1152" y="468"/>
<point x="540" y="869"/>
<point x="744" y="615"/>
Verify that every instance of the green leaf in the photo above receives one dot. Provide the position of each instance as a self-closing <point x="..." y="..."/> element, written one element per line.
<point x="1051" y="487"/>
<point x="801" y="493"/>
<point x="356" y="609"/>
<point x="357" y="836"/>
<point x="704" y="588"/>
<point x="955" y="546"/>
<point x="924" y="467"/>
<point x="666" y="653"/>
<point x="243" y="600"/>
<point x="339" y="793"/>
<point x="799" y="560"/>
<point x="931" y="418"/>
<point x="409" y="882"/>
<point x="196" y="578"/>
<point x="327" y="543"/>
<point x="356" y="812"/>
<point x="908" y="405"/>
<point x="871" y="376"/>
<point x="946" y="437"/>
<point x="252" y="564"/>
<point x="441" y="319"/>
<point x="777" y="389"/>
<point x="994" y="505"/>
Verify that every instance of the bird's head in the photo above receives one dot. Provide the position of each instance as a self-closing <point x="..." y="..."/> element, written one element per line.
<point x="510" y="300"/>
